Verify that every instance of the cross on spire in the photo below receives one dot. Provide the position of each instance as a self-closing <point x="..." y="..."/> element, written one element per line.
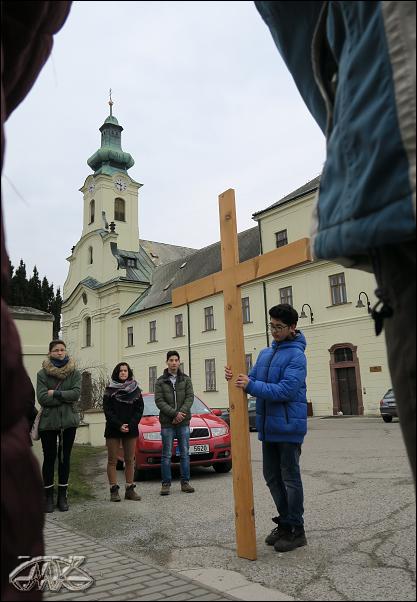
<point x="111" y="103"/>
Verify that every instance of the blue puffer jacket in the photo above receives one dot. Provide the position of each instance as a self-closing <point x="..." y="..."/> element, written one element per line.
<point x="278" y="381"/>
<point x="354" y="65"/>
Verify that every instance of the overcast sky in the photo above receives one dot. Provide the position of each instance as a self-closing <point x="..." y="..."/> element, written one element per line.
<point x="206" y="104"/>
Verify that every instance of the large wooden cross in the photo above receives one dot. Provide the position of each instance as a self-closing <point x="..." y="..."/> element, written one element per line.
<point x="228" y="281"/>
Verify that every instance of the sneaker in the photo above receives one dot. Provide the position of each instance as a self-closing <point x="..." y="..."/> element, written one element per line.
<point x="291" y="538"/>
<point x="275" y="533"/>
<point x="114" y="494"/>
<point x="165" y="489"/>
<point x="131" y="494"/>
<point x="186" y="487"/>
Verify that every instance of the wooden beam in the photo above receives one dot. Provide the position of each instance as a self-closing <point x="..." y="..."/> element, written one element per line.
<point x="278" y="260"/>
<point x="235" y="351"/>
<point x="199" y="289"/>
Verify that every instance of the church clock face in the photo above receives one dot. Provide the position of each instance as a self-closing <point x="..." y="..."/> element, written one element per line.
<point x="120" y="184"/>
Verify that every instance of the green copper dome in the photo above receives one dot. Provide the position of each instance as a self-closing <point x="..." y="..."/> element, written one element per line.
<point x="111" y="119"/>
<point x="110" y="157"/>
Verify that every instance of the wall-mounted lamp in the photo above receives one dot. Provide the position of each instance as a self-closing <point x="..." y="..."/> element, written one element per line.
<point x="360" y="302"/>
<point x="303" y="314"/>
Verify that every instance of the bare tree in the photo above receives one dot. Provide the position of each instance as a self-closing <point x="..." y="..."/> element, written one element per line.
<point x="94" y="380"/>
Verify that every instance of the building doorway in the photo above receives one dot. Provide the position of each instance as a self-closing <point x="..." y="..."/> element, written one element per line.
<point x="346" y="381"/>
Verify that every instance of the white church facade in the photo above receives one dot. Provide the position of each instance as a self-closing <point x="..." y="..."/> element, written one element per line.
<point x="118" y="297"/>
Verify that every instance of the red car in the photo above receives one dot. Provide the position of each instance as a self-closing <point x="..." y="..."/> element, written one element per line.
<point x="209" y="439"/>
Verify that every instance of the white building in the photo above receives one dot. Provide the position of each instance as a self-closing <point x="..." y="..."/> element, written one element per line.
<point x="35" y="328"/>
<point x="117" y="297"/>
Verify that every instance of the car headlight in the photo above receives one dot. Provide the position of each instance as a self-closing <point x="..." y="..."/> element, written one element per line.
<point x="153" y="436"/>
<point x="219" y="431"/>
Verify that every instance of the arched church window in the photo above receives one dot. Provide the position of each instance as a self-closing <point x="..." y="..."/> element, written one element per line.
<point x="119" y="210"/>
<point x="343" y="354"/>
<point x="88" y="332"/>
<point x="90" y="255"/>
<point x="92" y="207"/>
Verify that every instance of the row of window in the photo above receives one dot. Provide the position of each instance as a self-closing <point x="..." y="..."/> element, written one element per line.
<point x="119" y="210"/>
<point x="337" y="281"/>
<point x="210" y="373"/>
<point x="337" y="291"/>
<point x="179" y="323"/>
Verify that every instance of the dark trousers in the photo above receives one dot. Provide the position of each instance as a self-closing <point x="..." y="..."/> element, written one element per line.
<point x="395" y="270"/>
<point x="50" y="440"/>
<point x="281" y="467"/>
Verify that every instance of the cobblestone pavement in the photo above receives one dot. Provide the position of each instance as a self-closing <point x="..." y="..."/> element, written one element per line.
<point x="119" y="576"/>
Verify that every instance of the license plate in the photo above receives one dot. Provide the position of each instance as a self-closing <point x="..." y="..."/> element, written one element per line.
<point x="195" y="449"/>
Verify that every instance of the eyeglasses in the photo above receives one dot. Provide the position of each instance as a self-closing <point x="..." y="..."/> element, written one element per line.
<point x="274" y="328"/>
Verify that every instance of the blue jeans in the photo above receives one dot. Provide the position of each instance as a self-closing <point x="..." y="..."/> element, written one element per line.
<point x="182" y="434"/>
<point x="281" y="467"/>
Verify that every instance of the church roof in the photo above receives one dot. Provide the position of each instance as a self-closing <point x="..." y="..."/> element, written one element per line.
<point x="303" y="190"/>
<point x="140" y="269"/>
<point x="161" y="253"/>
<point x="199" y="264"/>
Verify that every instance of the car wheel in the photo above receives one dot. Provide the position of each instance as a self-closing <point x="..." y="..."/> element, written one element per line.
<point x="222" y="466"/>
<point x="120" y="465"/>
<point x="387" y="418"/>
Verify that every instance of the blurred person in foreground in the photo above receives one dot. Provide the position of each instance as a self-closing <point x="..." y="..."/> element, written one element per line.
<point x="27" y="35"/>
<point x="354" y="64"/>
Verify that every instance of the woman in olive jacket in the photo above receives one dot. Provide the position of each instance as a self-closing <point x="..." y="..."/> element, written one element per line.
<point x="58" y="388"/>
<point x="123" y="407"/>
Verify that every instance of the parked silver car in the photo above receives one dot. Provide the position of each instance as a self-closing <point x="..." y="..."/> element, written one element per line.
<point x="388" y="406"/>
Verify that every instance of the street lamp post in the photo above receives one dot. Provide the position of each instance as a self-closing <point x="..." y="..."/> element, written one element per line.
<point x="360" y="302"/>
<point x="303" y="314"/>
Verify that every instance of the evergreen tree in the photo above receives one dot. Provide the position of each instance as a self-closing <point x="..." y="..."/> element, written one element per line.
<point x="47" y="293"/>
<point x="33" y="293"/>
<point x="9" y="291"/>
<point x="20" y="286"/>
<point x="56" y="310"/>
<point x="35" y="290"/>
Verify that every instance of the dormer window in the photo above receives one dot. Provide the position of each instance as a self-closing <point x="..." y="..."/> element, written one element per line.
<point x="130" y="262"/>
<point x="92" y="207"/>
<point x="119" y="210"/>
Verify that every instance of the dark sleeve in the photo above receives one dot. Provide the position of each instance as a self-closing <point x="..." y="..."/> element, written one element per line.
<point x="72" y="394"/>
<point x="111" y="416"/>
<point x="42" y="391"/>
<point x="189" y="396"/>
<point x="31" y="410"/>
<point x="139" y="406"/>
<point x="160" y="402"/>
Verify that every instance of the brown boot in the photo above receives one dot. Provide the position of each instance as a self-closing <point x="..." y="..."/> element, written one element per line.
<point x="186" y="487"/>
<point x="165" y="489"/>
<point x="114" y="494"/>
<point x="130" y="493"/>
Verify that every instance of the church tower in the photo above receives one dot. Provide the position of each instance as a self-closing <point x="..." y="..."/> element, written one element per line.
<point x="110" y="213"/>
<point x="110" y="195"/>
<point x="108" y="269"/>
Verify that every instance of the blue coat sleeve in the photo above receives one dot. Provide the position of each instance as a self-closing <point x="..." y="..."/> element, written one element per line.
<point x="287" y="388"/>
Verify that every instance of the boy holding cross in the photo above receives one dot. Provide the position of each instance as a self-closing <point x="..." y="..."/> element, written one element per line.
<point x="277" y="380"/>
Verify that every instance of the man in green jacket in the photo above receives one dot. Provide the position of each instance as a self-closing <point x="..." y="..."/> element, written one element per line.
<point x="174" y="397"/>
